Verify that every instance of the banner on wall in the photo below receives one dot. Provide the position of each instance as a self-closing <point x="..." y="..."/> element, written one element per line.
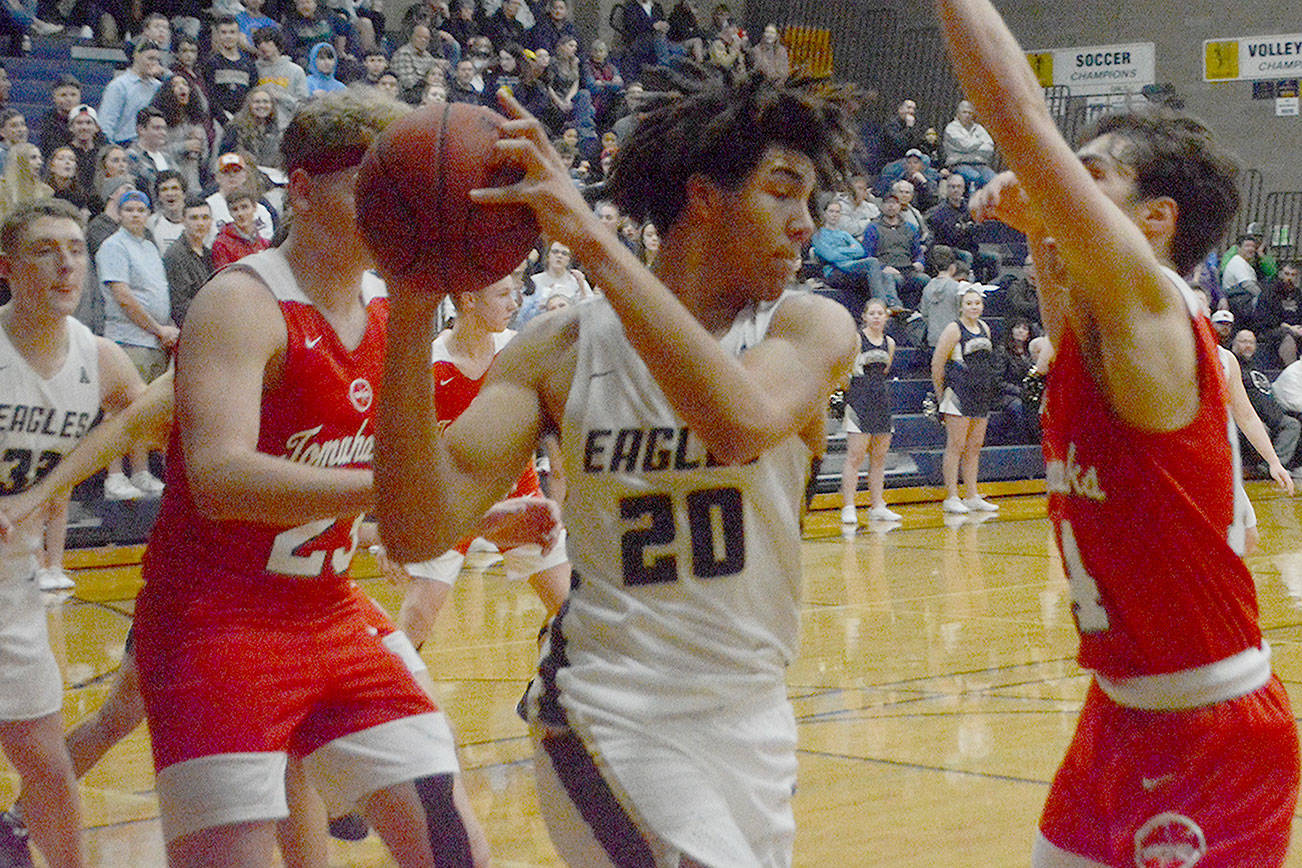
<point x="1237" y="58"/>
<point x="1096" y="69"/>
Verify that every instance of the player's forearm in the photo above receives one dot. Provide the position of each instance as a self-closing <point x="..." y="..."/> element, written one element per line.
<point x="254" y="486"/>
<point x="417" y="520"/>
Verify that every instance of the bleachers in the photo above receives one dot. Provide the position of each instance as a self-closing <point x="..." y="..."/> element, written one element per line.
<point x="51" y="57"/>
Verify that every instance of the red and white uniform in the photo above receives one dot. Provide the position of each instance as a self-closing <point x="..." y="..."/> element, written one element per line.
<point x="453" y="392"/>
<point x="1186" y="740"/>
<point x="251" y="638"/>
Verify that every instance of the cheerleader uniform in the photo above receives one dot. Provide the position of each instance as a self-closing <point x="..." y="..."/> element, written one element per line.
<point x="970" y="374"/>
<point x="867" y="400"/>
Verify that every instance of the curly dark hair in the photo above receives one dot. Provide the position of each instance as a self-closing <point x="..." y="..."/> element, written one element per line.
<point x="1174" y="155"/>
<point x="696" y="122"/>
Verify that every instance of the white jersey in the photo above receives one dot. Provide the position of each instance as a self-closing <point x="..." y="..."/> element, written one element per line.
<point x="688" y="572"/>
<point x="40" y="421"/>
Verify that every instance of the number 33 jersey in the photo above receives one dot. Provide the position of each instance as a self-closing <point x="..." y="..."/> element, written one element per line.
<point x="687" y="571"/>
<point x="320" y="413"/>
<point x="41" y="420"/>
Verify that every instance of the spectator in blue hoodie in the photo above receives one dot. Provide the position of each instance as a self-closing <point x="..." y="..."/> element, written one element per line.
<point x="847" y="268"/>
<point x="321" y="63"/>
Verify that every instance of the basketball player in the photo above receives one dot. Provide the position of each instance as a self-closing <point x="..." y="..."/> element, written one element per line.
<point x="461" y="357"/>
<point x="688" y="402"/>
<point x="251" y="641"/>
<point x="55" y="376"/>
<point x="1186" y="750"/>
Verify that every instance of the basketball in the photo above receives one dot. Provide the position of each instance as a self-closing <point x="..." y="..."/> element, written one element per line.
<point x="413" y="207"/>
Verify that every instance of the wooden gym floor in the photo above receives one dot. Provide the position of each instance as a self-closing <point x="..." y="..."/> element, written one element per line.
<point x="936" y="689"/>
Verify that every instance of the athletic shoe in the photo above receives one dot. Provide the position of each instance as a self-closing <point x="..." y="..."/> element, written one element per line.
<point x="45" y="28"/>
<point x="849" y="515"/>
<point x="118" y="487"/>
<point x="955" y="506"/>
<point x="881" y="513"/>
<point x="86" y="32"/>
<point x="349" y="827"/>
<point x="14" y="852"/>
<point x="54" y="579"/>
<point x="149" y="485"/>
<point x="980" y="504"/>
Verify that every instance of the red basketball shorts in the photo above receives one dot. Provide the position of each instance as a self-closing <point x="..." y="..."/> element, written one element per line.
<point x="1215" y="784"/>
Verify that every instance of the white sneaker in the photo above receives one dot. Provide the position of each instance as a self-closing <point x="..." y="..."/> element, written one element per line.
<point x="881" y="513"/>
<point x="54" y="579"/>
<point x="849" y="515"/>
<point x="86" y="32"/>
<point x="980" y="504"/>
<point x="118" y="487"/>
<point x="45" y="28"/>
<point x="955" y="506"/>
<point x="149" y="485"/>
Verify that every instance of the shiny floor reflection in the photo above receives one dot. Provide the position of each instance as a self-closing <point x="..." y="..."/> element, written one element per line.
<point x="936" y="688"/>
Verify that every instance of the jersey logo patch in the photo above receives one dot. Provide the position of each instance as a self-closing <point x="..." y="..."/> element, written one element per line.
<point x="1169" y="840"/>
<point x="311" y="343"/>
<point x="360" y="394"/>
<point x="85" y="377"/>
<point x="445" y="382"/>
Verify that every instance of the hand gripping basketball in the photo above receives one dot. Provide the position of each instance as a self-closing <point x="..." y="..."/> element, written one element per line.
<point x="414" y="210"/>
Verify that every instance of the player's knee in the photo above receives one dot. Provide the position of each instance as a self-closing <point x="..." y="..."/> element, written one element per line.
<point x="447" y="833"/>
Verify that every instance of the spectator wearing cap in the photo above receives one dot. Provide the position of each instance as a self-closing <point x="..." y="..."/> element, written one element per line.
<point x="238" y="238"/>
<point x="131" y="91"/>
<point x="52" y="129"/>
<point x="85" y="139"/>
<point x="137" y="317"/>
<point x="969" y="148"/>
<point x="233" y="174"/>
<point x="1223" y="323"/>
<point x="137" y="307"/>
<point x="281" y="77"/>
<point x="147" y="155"/>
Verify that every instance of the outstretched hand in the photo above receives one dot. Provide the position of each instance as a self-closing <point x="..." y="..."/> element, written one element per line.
<point x="546" y="187"/>
<point x="1003" y="199"/>
<point x="1282" y="477"/>
<point x="16" y="508"/>
<point x="519" y="521"/>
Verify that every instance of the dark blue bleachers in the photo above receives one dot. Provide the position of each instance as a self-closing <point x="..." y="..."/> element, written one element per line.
<point x="997" y="463"/>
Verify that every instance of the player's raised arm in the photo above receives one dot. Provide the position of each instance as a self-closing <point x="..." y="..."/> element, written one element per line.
<point x="1118" y="210"/>
<point x="726" y="175"/>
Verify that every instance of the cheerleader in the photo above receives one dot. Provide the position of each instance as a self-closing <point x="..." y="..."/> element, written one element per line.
<point x="963" y="373"/>
<point x="868" y="416"/>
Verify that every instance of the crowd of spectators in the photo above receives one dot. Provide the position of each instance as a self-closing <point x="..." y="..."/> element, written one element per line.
<point x="193" y="126"/>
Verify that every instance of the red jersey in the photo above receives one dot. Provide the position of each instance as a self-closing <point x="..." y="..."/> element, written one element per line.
<point x="453" y="392"/>
<point x="1142" y="520"/>
<point x="320" y="414"/>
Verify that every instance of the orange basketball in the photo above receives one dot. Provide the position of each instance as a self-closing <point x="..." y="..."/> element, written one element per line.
<point x="413" y="207"/>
